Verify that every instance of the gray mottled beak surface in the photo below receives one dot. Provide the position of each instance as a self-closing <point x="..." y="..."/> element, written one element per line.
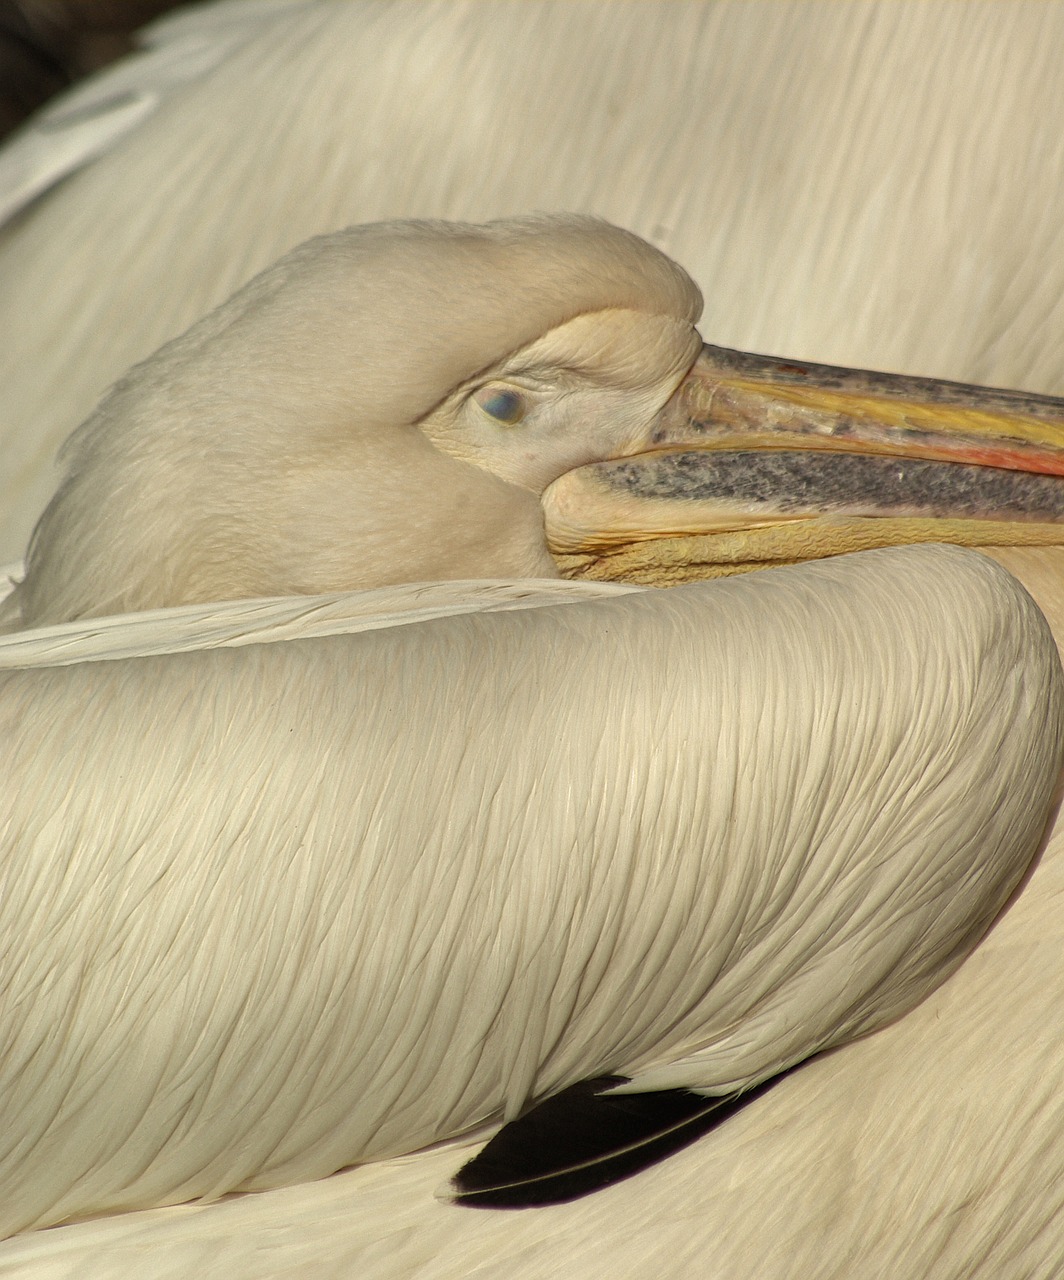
<point x="750" y="443"/>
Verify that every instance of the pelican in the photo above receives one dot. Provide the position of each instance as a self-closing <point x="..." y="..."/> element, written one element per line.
<point x="210" y="1042"/>
<point x="920" y="235"/>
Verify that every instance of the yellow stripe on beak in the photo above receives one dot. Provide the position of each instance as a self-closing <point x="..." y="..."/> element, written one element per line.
<point x="764" y="460"/>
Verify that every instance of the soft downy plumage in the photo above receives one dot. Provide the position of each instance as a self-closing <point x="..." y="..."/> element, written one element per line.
<point x="320" y="431"/>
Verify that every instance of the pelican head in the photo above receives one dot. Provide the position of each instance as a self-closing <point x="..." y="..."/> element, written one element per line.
<point x="385" y="404"/>
<point x="411" y="401"/>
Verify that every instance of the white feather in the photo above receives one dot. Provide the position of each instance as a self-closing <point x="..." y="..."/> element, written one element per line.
<point x="282" y="907"/>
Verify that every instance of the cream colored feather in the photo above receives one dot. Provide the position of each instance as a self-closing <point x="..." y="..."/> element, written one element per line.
<point x="275" y="909"/>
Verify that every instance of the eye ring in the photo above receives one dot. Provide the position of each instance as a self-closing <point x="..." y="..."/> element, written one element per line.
<point x="502" y="404"/>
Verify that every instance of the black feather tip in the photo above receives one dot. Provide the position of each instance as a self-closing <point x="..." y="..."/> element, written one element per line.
<point x="586" y="1138"/>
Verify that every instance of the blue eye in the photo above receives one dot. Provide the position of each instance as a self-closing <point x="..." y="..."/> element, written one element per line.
<point x="502" y="404"/>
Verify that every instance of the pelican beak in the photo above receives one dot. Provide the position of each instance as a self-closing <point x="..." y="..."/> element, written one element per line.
<point x="756" y="460"/>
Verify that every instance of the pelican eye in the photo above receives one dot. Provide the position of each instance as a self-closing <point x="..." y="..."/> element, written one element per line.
<point x="502" y="404"/>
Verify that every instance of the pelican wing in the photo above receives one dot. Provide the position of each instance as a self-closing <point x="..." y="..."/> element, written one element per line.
<point x="282" y="907"/>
